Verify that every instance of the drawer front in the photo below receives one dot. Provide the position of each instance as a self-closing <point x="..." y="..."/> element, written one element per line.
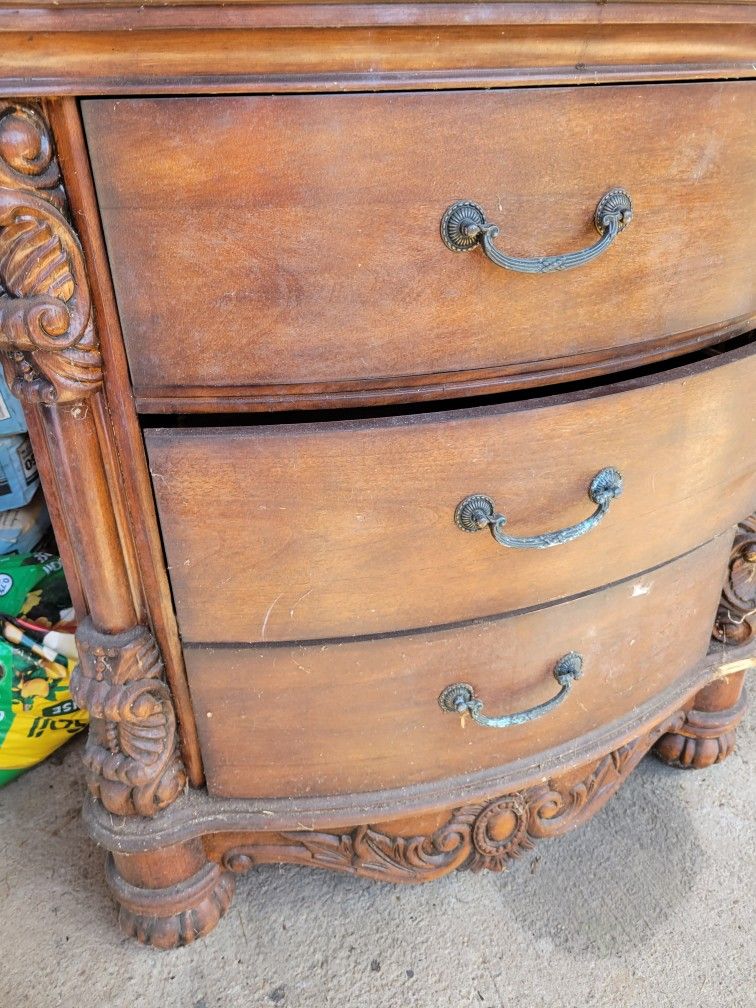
<point x="270" y="251"/>
<point x="301" y="531"/>
<point x="355" y="716"/>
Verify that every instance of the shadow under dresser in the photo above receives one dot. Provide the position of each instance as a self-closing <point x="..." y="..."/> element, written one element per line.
<point x="390" y="374"/>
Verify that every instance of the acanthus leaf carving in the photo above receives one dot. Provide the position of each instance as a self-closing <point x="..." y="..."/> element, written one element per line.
<point x="734" y="623"/>
<point x="132" y="759"/>
<point x="49" y="347"/>
<point x="484" y="835"/>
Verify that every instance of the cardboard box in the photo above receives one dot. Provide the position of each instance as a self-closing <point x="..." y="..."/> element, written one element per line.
<point x="19" y="479"/>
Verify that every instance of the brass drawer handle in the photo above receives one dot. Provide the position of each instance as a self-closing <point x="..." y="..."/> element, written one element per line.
<point x="459" y="698"/>
<point x="464" y="226"/>
<point x="476" y="511"/>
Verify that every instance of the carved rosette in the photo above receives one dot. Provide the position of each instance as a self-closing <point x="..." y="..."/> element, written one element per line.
<point x="131" y="757"/>
<point x="485" y="835"/>
<point x="47" y="337"/>
<point x="734" y="624"/>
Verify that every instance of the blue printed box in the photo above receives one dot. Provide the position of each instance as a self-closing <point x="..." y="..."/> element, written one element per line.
<point x="18" y="472"/>
<point x="21" y="529"/>
<point x="11" y="415"/>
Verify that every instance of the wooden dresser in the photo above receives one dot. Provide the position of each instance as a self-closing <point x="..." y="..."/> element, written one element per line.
<point x="389" y="373"/>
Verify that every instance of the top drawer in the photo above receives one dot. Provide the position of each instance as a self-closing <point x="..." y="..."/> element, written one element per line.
<point x="284" y="251"/>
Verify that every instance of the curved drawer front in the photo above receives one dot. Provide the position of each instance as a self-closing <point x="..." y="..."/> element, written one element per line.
<point x="294" y="532"/>
<point x="273" y="251"/>
<point x="356" y="716"/>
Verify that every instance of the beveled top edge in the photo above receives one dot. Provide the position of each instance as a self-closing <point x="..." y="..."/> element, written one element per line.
<point x="90" y="47"/>
<point x="128" y="15"/>
<point x="116" y="4"/>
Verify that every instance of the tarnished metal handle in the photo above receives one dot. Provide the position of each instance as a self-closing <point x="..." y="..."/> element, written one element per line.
<point x="459" y="698"/>
<point x="464" y="226"/>
<point x="476" y="511"/>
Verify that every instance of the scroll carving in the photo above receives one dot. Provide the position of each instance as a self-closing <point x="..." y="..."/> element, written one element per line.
<point x="485" y="835"/>
<point x="49" y="347"/>
<point x="735" y="620"/>
<point x="132" y="759"/>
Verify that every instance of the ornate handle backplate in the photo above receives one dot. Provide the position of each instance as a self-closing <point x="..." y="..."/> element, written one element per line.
<point x="464" y="226"/>
<point x="478" y="511"/>
<point x="459" y="698"/>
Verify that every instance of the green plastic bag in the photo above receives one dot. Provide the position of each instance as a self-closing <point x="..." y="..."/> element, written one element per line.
<point x="37" y="712"/>
<point x="19" y="573"/>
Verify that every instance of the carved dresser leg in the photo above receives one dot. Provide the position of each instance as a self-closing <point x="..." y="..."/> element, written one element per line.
<point x="708" y="734"/>
<point x="50" y="352"/>
<point x="171" y="896"/>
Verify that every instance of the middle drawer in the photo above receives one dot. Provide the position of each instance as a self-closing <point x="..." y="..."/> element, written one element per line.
<point x="319" y="530"/>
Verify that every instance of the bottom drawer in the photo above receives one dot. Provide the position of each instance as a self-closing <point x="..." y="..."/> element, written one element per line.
<point x="358" y="715"/>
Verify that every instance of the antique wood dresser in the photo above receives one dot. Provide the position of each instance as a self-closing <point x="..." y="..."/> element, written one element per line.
<point x="388" y="368"/>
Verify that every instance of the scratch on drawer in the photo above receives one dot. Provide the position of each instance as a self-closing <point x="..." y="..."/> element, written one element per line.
<point x="267" y="614"/>
<point x="301" y="597"/>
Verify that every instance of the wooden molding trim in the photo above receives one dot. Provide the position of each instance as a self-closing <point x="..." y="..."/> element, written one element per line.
<point x="102" y="15"/>
<point x="424" y="388"/>
<point x="92" y="48"/>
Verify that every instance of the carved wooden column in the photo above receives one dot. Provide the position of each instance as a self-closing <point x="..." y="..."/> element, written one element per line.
<point x="52" y="361"/>
<point x="708" y="734"/>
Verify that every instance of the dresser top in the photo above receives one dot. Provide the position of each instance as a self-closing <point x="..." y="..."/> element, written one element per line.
<point x="485" y="9"/>
<point x="86" y="47"/>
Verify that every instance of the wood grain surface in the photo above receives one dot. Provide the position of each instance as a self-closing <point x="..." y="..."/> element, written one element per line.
<point x="298" y="531"/>
<point x="293" y="242"/>
<point x="360" y="716"/>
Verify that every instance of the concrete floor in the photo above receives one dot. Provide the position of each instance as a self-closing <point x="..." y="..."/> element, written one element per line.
<point x="650" y="904"/>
